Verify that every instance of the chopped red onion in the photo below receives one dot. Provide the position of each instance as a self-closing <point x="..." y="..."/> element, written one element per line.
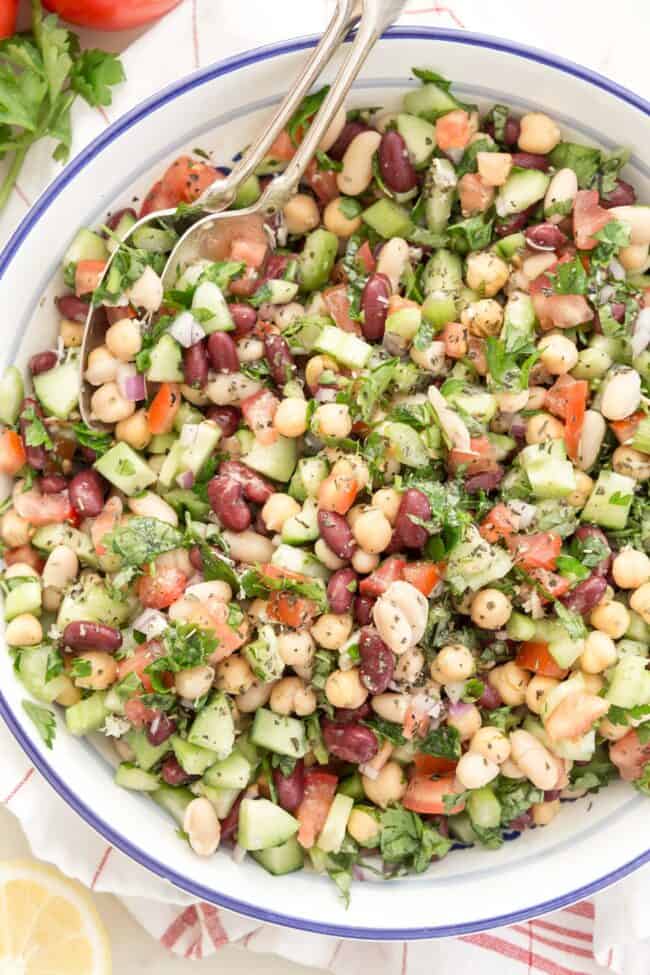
<point x="616" y="269"/>
<point x="238" y="853"/>
<point x="325" y="394"/>
<point x="130" y="383"/>
<point x="458" y="708"/>
<point x="186" y="330"/>
<point x="185" y="480"/>
<point x="641" y="336"/>
<point x="455" y="690"/>
<point x="151" y="622"/>
<point x="524" y="511"/>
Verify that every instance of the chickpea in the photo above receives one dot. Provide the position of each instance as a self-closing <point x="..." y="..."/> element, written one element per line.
<point x="536" y="397"/>
<point x="491" y="743"/>
<point x="584" y="486"/>
<point x="558" y="354"/>
<point x="250" y="349"/>
<point x="599" y="653"/>
<point x="544" y="812"/>
<point x="255" y="697"/>
<point x="344" y="689"/>
<point x="108" y="405"/>
<point x="611" y="731"/>
<point x="24" y="630"/>
<point x="593" y="683"/>
<point x="542" y="427"/>
<point x="431" y="358"/>
<point x="71" y="333"/>
<point x="611" y="618"/>
<point x="486" y="273"/>
<point x="317" y="365"/>
<point x="372" y="530"/>
<point x="538" y="133"/>
<point x="124" y="340"/>
<point x="389" y="786"/>
<point x="364" y="562"/>
<point x="537" y="690"/>
<point x="491" y="609"/>
<point x="290" y="419"/>
<point x="325" y="555"/>
<point x="103" y="670"/>
<point x="534" y="760"/>
<point x="194" y="682"/>
<point x="388" y="501"/>
<point x="453" y="663"/>
<point x="363" y="826"/>
<point x="301" y="214"/>
<point x="196" y="396"/>
<point x="511" y="683"/>
<point x="15" y="531"/>
<point x="483" y="318"/>
<point x="337" y="222"/>
<point x="634" y="257"/>
<point x="69" y="695"/>
<point x="102" y="366"/>
<point x="296" y="648"/>
<point x="467" y="722"/>
<point x="640" y="602"/>
<point x="333" y="420"/>
<point x="291" y="696"/>
<point x="512" y="402"/>
<point x="409" y="667"/>
<point x="331" y="630"/>
<point x="474" y="770"/>
<point x="391" y="706"/>
<point x="511" y="770"/>
<point x="278" y="509"/>
<point x="631" y="569"/>
<point x="632" y="463"/>
<point x="134" y="430"/>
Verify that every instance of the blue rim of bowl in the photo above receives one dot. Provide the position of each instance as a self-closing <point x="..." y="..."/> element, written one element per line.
<point x="124" y="123"/>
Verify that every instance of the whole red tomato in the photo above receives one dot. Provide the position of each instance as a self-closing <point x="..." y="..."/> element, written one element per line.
<point x="109" y="14"/>
<point x="8" y="11"/>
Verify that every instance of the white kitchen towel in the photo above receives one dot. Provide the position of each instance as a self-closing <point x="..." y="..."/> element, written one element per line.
<point x="587" y="938"/>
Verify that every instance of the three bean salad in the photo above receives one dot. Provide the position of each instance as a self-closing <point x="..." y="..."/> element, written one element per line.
<point x="358" y="569"/>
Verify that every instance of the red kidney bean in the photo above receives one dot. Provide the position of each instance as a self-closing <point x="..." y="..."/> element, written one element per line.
<point x="349" y="131"/>
<point x="279" y="358"/>
<point x="196" y="558"/>
<point x="73" y="308"/>
<point x="290" y="788"/>
<point x="117" y="314"/>
<point x="173" y="773"/>
<point x="343" y="715"/>
<point x="52" y="484"/>
<point x="350" y="742"/>
<point x="161" y="728"/>
<point x="336" y="533"/>
<point x="260" y="526"/>
<point x="87" y="493"/>
<point x="227" y="417"/>
<point x="415" y="504"/>
<point x="85" y="635"/>
<point x="42" y="362"/>
<point x="276" y="265"/>
<point x="226" y="499"/>
<point x="513" y="224"/>
<point x="231" y="822"/>
<point x="374" y="303"/>
<point x="114" y="219"/>
<point x="510" y="131"/>
<point x="377" y="661"/>
<point x="490" y="698"/>
<point x="340" y="590"/>
<point x="256" y="488"/>
<point x="617" y="309"/>
<point x="545" y="237"/>
<point x="26" y="554"/>
<point x="196" y="365"/>
<point x="583" y="532"/>
<point x="530" y="160"/>
<point x="487" y="481"/>
<point x="522" y="822"/>
<point x="395" y="166"/>
<point x="36" y="456"/>
<point x="552" y="794"/>
<point x="244" y="318"/>
<point x="586" y="595"/>
<point x="223" y="352"/>
<point x="363" y="609"/>
<point x="622" y="195"/>
<point x="87" y="454"/>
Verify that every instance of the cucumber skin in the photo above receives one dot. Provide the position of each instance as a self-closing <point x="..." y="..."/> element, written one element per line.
<point x="129" y="776"/>
<point x="317" y="259"/>
<point x="285" y="736"/>
<point x="263" y="825"/>
<point x="12" y="392"/>
<point x="87" y="715"/>
<point x="57" y="389"/>
<point x="281" y="860"/>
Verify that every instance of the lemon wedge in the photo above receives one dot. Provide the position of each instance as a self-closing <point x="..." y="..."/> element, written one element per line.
<point x="48" y="924"/>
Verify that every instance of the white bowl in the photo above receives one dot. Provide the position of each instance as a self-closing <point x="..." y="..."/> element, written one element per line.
<point x="594" y="841"/>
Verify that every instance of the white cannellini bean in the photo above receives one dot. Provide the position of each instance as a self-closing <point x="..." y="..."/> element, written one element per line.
<point x="431" y="358"/>
<point x="356" y="175"/>
<point x="250" y="350"/>
<point x="638" y="219"/>
<point x="216" y="589"/>
<point x="620" y="394"/>
<point x="474" y="770"/>
<point x="147" y="291"/>
<point x="563" y="188"/>
<point x="61" y="567"/>
<point x="392" y="260"/>
<point x="333" y="130"/>
<point x="194" y="682"/>
<point x="227" y="389"/>
<point x="534" y="760"/>
<point x="412" y="603"/>
<point x="202" y="827"/>
<point x="591" y="439"/>
<point x="150" y="505"/>
<point x="249" y="547"/>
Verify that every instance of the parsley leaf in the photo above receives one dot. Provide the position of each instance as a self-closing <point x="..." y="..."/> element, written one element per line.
<point x="254" y="583"/>
<point x="349" y="207"/>
<point x="583" y="160"/>
<point x="217" y="569"/>
<point x="36" y="434"/>
<point x="610" y="166"/>
<point x="44" y="721"/>
<point x="93" y="439"/>
<point x="302" y="116"/>
<point x="386" y="730"/>
<point x="507" y="369"/>
<point x="326" y="164"/>
<point x="429" y="77"/>
<point x="472" y="234"/>
<point x="81" y="667"/>
<point x="499" y="116"/>
<point x="572" y="622"/>
<point x="570" y="279"/>
<point x="185" y="646"/>
<point x="443" y="742"/>
<point x="373" y="386"/>
<point x="594" y="774"/>
<point x="515" y="797"/>
<point x="406" y="839"/>
<point x="93" y="75"/>
<point x="142" y="539"/>
<point x="589" y="551"/>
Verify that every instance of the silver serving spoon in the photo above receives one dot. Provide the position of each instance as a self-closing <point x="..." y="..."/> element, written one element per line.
<point x="372" y="17"/>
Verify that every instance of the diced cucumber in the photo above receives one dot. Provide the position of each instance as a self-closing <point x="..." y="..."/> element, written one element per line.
<point x="406" y="443"/>
<point x="94" y="603"/>
<point x="277" y="291"/>
<point x="610" y="500"/>
<point x="345" y="347"/>
<point x="276" y="460"/>
<point x="298" y="560"/>
<point x="181" y="499"/>
<point x="460" y="827"/>
<point x="388" y="219"/>
<point x="193" y="759"/>
<point x="475" y="402"/>
<point x="632" y="646"/>
<point x="233" y="772"/>
<point x="484" y="808"/>
<point x="114" y="702"/>
<point x="24" y="598"/>
<point x="280" y="860"/>
<point x="209" y="297"/>
<point x="439" y="193"/>
<point x="166" y="361"/>
<point x="124" y="226"/>
<point x="510" y="245"/>
<point x="263" y="825"/>
<point x="521" y="189"/>
<point x="352" y="786"/>
<point x="502" y="445"/>
<point x="283" y="735"/>
<point x="248" y="193"/>
<point x="263" y="655"/>
<point x="629" y="683"/>
<point x="437" y="310"/>
<point x="333" y="832"/>
<point x="303" y="527"/>
<point x="171" y="466"/>
<point x="12" y="391"/>
<point x="443" y="274"/>
<point x="549" y="473"/>
<point x="222" y="799"/>
<point x="186" y="414"/>
<point x="174" y="800"/>
<point x="430" y="101"/>
<point x="637" y="628"/>
<point x="214" y="727"/>
<point x="49" y="536"/>
<point x="86" y="246"/>
<point x="32" y="670"/>
<point x="146" y="754"/>
<point x="196" y="453"/>
<point x="313" y="471"/>
<point x="161" y="443"/>
<point x="419" y="136"/>
<point x="87" y="715"/>
<point x="125" y="469"/>
<point x="317" y="259"/>
<point x="520" y="627"/>
<point x="404" y="322"/>
<point x="565" y="650"/>
<point x="129" y="776"/>
<point x="58" y="389"/>
<point x="248" y="749"/>
<point x="473" y="563"/>
<point x="149" y="238"/>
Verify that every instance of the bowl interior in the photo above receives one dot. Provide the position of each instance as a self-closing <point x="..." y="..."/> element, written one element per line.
<point x="596" y="839"/>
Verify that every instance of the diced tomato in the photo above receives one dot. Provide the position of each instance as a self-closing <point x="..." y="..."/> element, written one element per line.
<point x="338" y="305"/>
<point x="251" y="252"/>
<point x="425" y="576"/>
<point x="322" y="182"/>
<point x="453" y="130"/>
<point x="588" y="218"/>
<point x="416" y="722"/>
<point x="138" y="713"/>
<point x="283" y="148"/>
<point x="105" y="522"/>
<point x="537" y="551"/>
<point x="187" y="178"/>
<point x="575" y="416"/>
<point x="561" y="311"/>
<point x="278" y="572"/>
<point x="246" y="285"/>
<point x="426" y="795"/>
<point x="499" y="523"/>
<point x="26" y="554"/>
<point x="320" y="789"/>
<point x="534" y="655"/>
<point x="43" y="509"/>
<point x="475" y="196"/>
<point x="164" y="407"/>
<point x="575" y="715"/>
<point x="552" y="584"/>
<point x="480" y="460"/>
<point x="629" y="756"/>
<point x="339" y="489"/>
<point x="455" y="336"/>
<point x="378" y="581"/>
<point x="12" y="452"/>
<point x="259" y="410"/>
<point x="87" y="275"/>
<point x="560" y="397"/>
<point x="625" y="429"/>
<point x="291" y="609"/>
<point x="158" y="198"/>
<point x="432" y="764"/>
<point x="145" y="654"/>
<point x="366" y="258"/>
<point x="160" y="590"/>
